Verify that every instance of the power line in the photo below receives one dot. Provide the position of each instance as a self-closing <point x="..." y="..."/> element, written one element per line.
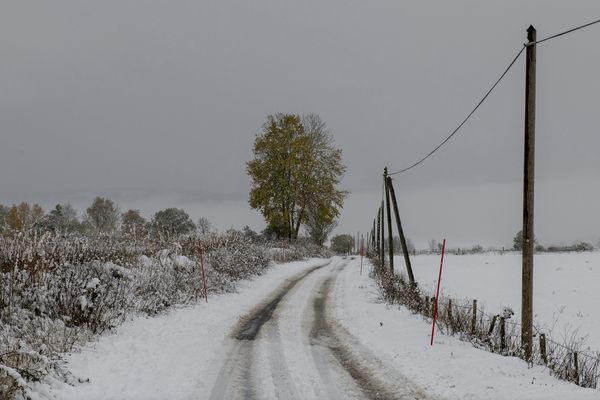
<point x="563" y="33"/>
<point x="455" y="131"/>
<point x="490" y="91"/>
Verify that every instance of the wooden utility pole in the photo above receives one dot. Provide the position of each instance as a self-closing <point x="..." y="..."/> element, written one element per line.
<point x="378" y="236"/>
<point x="389" y="220"/>
<point x="373" y="236"/>
<point x="409" y="271"/>
<point x="372" y="242"/>
<point x="382" y="241"/>
<point x="528" y="189"/>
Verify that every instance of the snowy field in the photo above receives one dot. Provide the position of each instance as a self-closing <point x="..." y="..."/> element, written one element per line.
<point x="450" y="369"/>
<point x="566" y="287"/>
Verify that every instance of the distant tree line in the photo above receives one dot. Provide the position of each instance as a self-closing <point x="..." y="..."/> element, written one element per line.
<point x="577" y="246"/>
<point x="102" y="217"/>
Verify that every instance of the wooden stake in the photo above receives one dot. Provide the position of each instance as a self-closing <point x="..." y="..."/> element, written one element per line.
<point x="450" y="323"/>
<point x="409" y="270"/>
<point x="201" y="254"/>
<point x="543" y="348"/>
<point x="474" y="318"/>
<point x="502" y="333"/>
<point x="492" y="325"/>
<point x="576" y="365"/>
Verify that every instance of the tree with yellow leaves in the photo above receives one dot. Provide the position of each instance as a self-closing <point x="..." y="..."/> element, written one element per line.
<point x="296" y="171"/>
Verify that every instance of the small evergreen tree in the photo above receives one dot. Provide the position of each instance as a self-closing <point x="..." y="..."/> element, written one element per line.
<point x="63" y="218"/>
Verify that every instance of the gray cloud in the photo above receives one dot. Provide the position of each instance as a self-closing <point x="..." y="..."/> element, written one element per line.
<point x="150" y="102"/>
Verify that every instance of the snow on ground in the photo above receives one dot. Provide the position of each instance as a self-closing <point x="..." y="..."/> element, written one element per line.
<point x="451" y="369"/>
<point x="172" y="356"/>
<point x="179" y="355"/>
<point x="565" y="287"/>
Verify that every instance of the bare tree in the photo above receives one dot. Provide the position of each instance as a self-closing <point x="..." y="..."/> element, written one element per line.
<point x="432" y="243"/>
<point x="204" y="226"/>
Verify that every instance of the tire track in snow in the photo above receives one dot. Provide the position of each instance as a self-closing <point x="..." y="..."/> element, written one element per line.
<point x="235" y="380"/>
<point x="257" y="367"/>
<point x="365" y="369"/>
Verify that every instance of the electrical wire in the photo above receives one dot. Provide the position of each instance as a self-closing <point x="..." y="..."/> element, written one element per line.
<point x="490" y="91"/>
<point x="455" y="131"/>
<point x="563" y="33"/>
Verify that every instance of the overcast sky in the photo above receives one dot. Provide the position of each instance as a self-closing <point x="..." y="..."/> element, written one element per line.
<point x="156" y="104"/>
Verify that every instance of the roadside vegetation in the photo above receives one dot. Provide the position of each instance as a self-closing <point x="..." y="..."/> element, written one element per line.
<point x="66" y="279"/>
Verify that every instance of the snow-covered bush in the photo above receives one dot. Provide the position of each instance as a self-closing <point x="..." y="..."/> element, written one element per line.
<point x="58" y="291"/>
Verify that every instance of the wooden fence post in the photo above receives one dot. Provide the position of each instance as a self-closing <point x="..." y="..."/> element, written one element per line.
<point x="474" y="318"/>
<point x="201" y="254"/>
<point x="576" y="365"/>
<point x="492" y="325"/>
<point x="502" y="333"/>
<point x="543" y="348"/>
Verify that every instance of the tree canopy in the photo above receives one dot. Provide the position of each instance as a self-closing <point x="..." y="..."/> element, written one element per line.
<point x="296" y="171"/>
<point x="103" y="215"/>
<point x="172" y="222"/>
<point x="342" y="244"/>
<point x="133" y="224"/>
<point x="518" y="241"/>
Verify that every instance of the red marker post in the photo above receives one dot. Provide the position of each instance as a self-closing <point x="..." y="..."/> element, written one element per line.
<point x="437" y="294"/>
<point x="201" y="254"/>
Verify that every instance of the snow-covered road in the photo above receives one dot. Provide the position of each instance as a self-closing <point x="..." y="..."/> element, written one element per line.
<point x="306" y="330"/>
<point x="289" y="347"/>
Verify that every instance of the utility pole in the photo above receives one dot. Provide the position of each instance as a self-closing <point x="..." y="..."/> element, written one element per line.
<point x="373" y="236"/>
<point x="409" y="271"/>
<point x="528" y="190"/>
<point x="382" y="240"/>
<point x="378" y="235"/>
<point x="389" y="221"/>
